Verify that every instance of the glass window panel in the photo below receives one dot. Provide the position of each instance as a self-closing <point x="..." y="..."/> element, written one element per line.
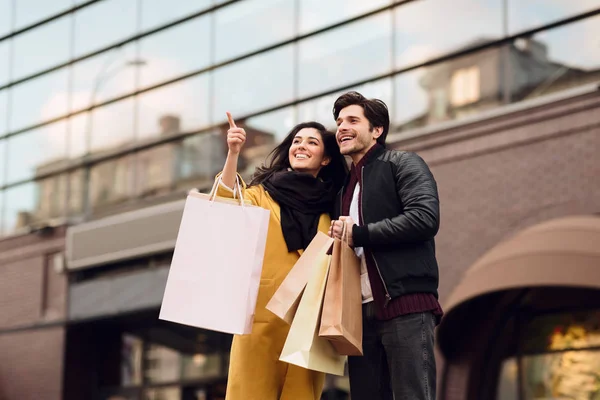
<point x="526" y="15"/>
<point x="321" y="109"/>
<point x="160" y="12"/>
<point x="29" y="56"/>
<point x="200" y="158"/>
<point x="177" y="51"/>
<point x="179" y="107"/>
<point x="317" y="14"/>
<point x="563" y="375"/>
<point x="2" y="162"/>
<point x="31" y="11"/>
<point x="77" y="185"/>
<point x="80" y="127"/>
<point x="277" y="124"/>
<point x="458" y="24"/>
<point x="253" y="84"/>
<point x="507" y="383"/>
<point x="3" y="112"/>
<point x="105" y="76"/>
<point x="112" y="182"/>
<point x="36" y="152"/>
<point x="131" y="364"/>
<point x="268" y="21"/>
<point x="333" y="59"/>
<point x="104" y="23"/>
<point x="165" y="393"/>
<point x="4" y="61"/>
<point x="33" y="203"/>
<point x="112" y="125"/>
<point x="548" y="62"/>
<point x="5" y="17"/>
<point x="2" y="215"/>
<point x="39" y="99"/>
<point x="450" y="90"/>
<point x="163" y="364"/>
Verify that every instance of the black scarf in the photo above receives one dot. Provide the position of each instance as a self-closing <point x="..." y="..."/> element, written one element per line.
<point x="302" y="199"/>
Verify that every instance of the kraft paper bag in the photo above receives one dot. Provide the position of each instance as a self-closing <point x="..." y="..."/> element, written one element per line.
<point x="303" y="346"/>
<point x="217" y="263"/>
<point x="284" y="302"/>
<point x="341" y="321"/>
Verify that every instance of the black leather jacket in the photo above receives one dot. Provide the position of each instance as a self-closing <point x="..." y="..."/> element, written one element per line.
<point x="400" y="214"/>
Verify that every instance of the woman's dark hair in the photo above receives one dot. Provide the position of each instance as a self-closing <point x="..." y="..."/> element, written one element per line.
<point x="278" y="159"/>
<point x="375" y="110"/>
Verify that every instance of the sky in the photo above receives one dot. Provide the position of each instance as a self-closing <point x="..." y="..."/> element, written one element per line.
<point x="423" y="29"/>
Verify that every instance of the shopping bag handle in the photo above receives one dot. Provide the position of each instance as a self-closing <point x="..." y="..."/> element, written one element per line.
<point x="236" y="189"/>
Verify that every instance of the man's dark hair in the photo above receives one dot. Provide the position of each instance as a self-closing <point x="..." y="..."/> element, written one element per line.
<point x="375" y="111"/>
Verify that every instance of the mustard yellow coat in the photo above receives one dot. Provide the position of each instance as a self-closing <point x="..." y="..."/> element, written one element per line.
<point x="255" y="372"/>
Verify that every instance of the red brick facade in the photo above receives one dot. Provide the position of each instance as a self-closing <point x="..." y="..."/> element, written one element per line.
<point x="32" y="312"/>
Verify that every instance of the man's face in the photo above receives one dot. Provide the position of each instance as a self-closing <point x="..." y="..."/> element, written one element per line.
<point x="354" y="135"/>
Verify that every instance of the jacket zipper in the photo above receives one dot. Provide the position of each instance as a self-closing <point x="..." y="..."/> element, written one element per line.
<point x="388" y="298"/>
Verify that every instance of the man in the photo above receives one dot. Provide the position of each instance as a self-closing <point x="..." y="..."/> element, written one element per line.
<point x="391" y="210"/>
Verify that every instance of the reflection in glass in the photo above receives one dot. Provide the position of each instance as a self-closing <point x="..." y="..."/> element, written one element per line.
<point x="34" y="202"/>
<point x="179" y="107"/>
<point x="39" y="99"/>
<point x="548" y="62"/>
<point x="160" y="12"/>
<point x="563" y="375"/>
<point x="347" y="54"/>
<point x="316" y="14"/>
<point x="507" y="382"/>
<point x="131" y="364"/>
<point x="277" y="123"/>
<point x="106" y="76"/>
<point x="249" y="25"/>
<point x="3" y="111"/>
<point x="2" y="162"/>
<point x="36" y="152"/>
<point x="78" y="126"/>
<point x="526" y="15"/>
<point x="253" y="84"/>
<point x="321" y="109"/>
<point x="450" y="90"/>
<point x="76" y="192"/>
<point x="458" y="24"/>
<point x="164" y="393"/>
<point x="111" y="182"/>
<point x="4" y="61"/>
<point x="28" y="56"/>
<point x="28" y="12"/>
<point x="176" y="51"/>
<point x="163" y="364"/>
<point x="104" y="23"/>
<point x="2" y="215"/>
<point x="5" y="17"/>
<point x="112" y="125"/>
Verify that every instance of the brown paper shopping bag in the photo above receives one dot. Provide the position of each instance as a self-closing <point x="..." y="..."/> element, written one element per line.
<point x="284" y="302"/>
<point x="341" y="322"/>
<point x="303" y="346"/>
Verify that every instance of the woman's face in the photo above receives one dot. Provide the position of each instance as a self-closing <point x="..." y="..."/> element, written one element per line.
<point x="307" y="152"/>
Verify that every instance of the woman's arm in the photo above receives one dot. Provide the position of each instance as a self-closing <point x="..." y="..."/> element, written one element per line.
<point x="236" y="137"/>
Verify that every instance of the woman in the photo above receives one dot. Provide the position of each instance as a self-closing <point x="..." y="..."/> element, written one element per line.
<point x="298" y="184"/>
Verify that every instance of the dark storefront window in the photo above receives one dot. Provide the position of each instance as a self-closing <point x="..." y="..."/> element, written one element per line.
<point x="560" y="359"/>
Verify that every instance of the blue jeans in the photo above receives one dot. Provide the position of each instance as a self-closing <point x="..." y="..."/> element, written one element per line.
<point x="398" y="361"/>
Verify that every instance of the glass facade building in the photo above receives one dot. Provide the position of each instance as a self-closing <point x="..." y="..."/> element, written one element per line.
<point x="109" y="106"/>
<point x="105" y="103"/>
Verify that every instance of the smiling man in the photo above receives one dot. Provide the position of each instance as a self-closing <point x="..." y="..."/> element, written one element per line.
<point x="391" y="210"/>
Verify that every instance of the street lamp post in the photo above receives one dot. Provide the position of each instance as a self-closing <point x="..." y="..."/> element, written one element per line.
<point x="102" y="77"/>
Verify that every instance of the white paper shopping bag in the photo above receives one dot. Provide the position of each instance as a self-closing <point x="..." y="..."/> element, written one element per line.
<point x="215" y="272"/>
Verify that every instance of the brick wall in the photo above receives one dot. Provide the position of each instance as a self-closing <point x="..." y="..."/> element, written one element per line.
<point x="500" y="175"/>
<point x="31" y="364"/>
<point x="32" y="311"/>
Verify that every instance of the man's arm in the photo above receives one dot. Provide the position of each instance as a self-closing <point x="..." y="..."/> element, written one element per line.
<point x="419" y="221"/>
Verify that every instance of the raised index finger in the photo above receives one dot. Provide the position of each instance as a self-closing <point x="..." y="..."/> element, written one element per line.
<point x="231" y="121"/>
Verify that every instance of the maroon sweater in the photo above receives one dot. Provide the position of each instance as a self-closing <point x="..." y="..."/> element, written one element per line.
<point x="407" y="304"/>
